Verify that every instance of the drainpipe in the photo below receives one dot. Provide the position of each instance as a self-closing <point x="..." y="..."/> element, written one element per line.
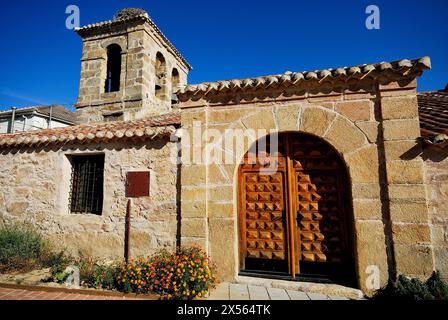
<point x="13" y="119"/>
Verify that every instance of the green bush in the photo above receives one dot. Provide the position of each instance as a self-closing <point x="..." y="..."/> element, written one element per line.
<point x="412" y="289"/>
<point x="184" y="274"/>
<point x="437" y="286"/>
<point x="96" y="275"/>
<point x="21" y="248"/>
<point x="57" y="261"/>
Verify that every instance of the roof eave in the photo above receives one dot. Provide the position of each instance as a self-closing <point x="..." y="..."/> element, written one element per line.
<point x="395" y="69"/>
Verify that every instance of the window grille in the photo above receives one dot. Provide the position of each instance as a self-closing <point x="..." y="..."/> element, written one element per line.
<point x="87" y="184"/>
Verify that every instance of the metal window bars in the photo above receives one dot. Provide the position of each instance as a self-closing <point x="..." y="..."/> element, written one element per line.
<point x="86" y="195"/>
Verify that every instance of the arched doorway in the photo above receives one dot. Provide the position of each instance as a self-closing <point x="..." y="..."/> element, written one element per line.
<point x="296" y="221"/>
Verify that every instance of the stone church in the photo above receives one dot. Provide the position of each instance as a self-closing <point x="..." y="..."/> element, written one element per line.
<point x="359" y="183"/>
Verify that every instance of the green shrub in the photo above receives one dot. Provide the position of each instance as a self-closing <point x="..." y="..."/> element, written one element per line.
<point x="95" y="275"/>
<point x="184" y="274"/>
<point x="412" y="289"/>
<point x="21" y="248"/>
<point x="437" y="286"/>
<point x="57" y="261"/>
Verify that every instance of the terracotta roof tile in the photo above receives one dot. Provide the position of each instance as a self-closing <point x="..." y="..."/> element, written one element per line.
<point x="400" y="68"/>
<point x="433" y="112"/>
<point x="95" y="132"/>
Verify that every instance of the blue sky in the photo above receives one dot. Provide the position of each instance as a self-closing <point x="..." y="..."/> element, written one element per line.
<point x="40" y="58"/>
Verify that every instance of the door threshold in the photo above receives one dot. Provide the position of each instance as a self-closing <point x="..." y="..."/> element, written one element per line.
<point x="287" y="277"/>
<point x="313" y="285"/>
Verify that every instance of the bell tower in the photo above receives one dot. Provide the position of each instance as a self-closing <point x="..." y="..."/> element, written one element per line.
<point x="129" y="69"/>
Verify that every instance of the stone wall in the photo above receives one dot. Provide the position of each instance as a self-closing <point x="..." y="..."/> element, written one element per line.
<point x="436" y="161"/>
<point x="35" y="187"/>
<point x="136" y="98"/>
<point x="373" y="126"/>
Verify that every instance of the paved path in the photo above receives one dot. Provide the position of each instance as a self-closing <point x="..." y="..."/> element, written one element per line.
<point x="234" y="291"/>
<point x="19" y="294"/>
<point x="225" y="291"/>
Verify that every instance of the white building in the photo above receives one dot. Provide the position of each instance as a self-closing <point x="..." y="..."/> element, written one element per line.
<point x="35" y="118"/>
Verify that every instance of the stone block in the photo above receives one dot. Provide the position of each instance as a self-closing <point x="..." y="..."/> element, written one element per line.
<point x="367" y="209"/>
<point x="188" y="117"/>
<point x="366" y="191"/>
<point x="216" y="174"/>
<point x="401" y="129"/>
<point x="408" y="211"/>
<point x="287" y="117"/>
<point x="345" y="136"/>
<point x="222" y="246"/>
<point x="407" y="191"/>
<point x="227" y="115"/>
<point x="354" y="110"/>
<point x="363" y="165"/>
<point x="221" y="193"/>
<point x="440" y="259"/>
<point x="220" y="209"/>
<point x="193" y="175"/>
<point x="371" y="251"/>
<point x="193" y="193"/>
<point x="399" y="108"/>
<point x="414" y="260"/>
<point x="402" y="149"/>
<point x="264" y="119"/>
<point x="370" y="129"/>
<point x="194" y="242"/>
<point x="404" y="172"/>
<point x="192" y="209"/>
<point x="194" y="227"/>
<point x="315" y="120"/>
<point x="410" y="233"/>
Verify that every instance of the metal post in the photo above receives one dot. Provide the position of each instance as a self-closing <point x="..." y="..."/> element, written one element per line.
<point x="127" y="245"/>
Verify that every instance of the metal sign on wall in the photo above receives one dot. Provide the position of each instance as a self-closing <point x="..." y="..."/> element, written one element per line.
<point x="137" y="184"/>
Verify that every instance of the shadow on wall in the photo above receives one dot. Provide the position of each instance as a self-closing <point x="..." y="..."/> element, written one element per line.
<point x="435" y="154"/>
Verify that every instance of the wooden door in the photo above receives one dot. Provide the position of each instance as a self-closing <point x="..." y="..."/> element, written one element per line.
<point x="294" y="220"/>
<point x="263" y="209"/>
<point x="265" y="228"/>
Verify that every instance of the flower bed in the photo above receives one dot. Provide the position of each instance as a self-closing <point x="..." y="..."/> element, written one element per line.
<point x="184" y="274"/>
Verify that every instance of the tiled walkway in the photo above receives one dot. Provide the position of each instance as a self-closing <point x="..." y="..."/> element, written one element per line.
<point x="233" y="291"/>
<point x="19" y="294"/>
<point x="225" y="291"/>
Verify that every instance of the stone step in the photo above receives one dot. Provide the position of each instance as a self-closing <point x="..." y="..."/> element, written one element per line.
<point x="307" y="287"/>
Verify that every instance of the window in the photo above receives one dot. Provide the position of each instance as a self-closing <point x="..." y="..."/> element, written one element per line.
<point x="113" y="68"/>
<point x="160" y="75"/>
<point x="87" y="184"/>
<point x="174" y="85"/>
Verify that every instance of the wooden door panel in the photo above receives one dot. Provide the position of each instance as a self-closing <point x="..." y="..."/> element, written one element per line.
<point x="263" y="212"/>
<point x="308" y="220"/>
<point x="320" y="201"/>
